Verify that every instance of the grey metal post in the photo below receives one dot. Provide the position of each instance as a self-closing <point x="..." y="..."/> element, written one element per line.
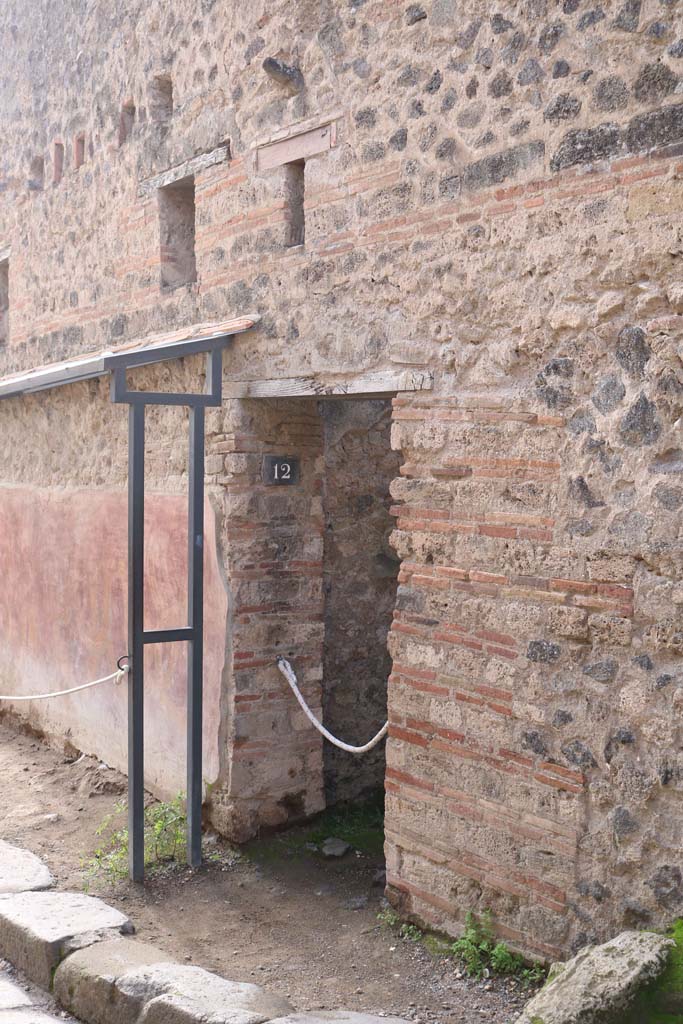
<point x="136" y="643"/>
<point x="195" y="653"/>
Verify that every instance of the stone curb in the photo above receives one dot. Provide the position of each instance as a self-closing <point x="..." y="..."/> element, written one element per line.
<point x="74" y="944"/>
<point x="39" y="929"/>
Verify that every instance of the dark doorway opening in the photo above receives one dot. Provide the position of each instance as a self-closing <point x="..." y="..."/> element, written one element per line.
<point x="360" y="577"/>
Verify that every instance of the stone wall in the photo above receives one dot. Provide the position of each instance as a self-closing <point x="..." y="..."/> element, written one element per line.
<point x="272" y="544"/>
<point x="359" y="572"/>
<point x="490" y="194"/>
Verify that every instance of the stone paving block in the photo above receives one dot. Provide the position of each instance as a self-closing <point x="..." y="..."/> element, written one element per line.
<point x="38" y="929"/>
<point x="86" y="983"/>
<point x="11" y="995"/>
<point x="28" y="1015"/>
<point x="337" y="1017"/>
<point x="21" y="870"/>
<point x="179" y="994"/>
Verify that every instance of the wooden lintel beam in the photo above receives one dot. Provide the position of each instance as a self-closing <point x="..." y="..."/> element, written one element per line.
<point x="365" y="385"/>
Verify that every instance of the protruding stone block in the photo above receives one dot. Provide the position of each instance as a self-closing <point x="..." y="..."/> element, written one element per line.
<point x="21" y="870"/>
<point x="600" y="982"/>
<point x="27" y="1015"/>
<point x="38" y="929"/>
<point x="174" y="994"/>
<point x="87" y="982"/>
<point x="337" y="1017"/>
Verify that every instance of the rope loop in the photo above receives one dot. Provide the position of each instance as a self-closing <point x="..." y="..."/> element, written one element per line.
<point x="288" y="672"/>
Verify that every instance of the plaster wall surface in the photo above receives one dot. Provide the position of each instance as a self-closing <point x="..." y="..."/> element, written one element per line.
<point x="492" y="195"/>
<point x="64" y="555"/>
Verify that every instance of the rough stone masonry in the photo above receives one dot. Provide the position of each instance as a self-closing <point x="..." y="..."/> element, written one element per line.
<point x="490" y="193"/>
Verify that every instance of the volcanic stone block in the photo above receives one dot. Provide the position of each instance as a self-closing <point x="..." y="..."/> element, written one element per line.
<point x="21" y="870"/>
<point x="87" y="982"/>
<point x="337" y="1017"/>
<point x="286" y="75"/>
<point x="600" y="982"/>
<point x="493" y="170"/>
<point x="586" y="145"/>
<point x="38" y="929"/>
<point x="656" y="128"/>
<point x="173" y="994"/>
<point x="27" y="1015"/>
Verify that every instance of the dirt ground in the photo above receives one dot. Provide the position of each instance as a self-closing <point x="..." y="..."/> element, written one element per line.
<point x="277" y="914"/>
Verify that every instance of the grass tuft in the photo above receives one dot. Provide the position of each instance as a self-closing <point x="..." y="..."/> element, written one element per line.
<point x="477" y="950"/>
<point x="165" y="830"/>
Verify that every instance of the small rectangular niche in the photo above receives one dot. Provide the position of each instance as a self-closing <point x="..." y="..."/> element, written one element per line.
<point x="126" y="121"/>
<point x="177" y="234"/>
<point x="36" y="174"/>
<point x="4" y="301"/>
<point x="57" y="162"/>
<point x="79" y="151"/>
<point x="160" y="98"/>
<point x="295" y="218"/>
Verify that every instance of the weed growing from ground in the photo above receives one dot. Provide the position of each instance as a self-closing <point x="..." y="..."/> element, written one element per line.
<point x="389" y="917"/>
<point x="477" y="950"/>
<point x="481" y="954"/>
<point x="165" y="828"/>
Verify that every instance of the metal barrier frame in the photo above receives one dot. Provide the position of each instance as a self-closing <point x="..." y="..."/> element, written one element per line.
<point x="193" y="633"/>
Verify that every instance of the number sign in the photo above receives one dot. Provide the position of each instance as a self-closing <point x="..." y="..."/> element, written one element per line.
<point x="280" y="470"/>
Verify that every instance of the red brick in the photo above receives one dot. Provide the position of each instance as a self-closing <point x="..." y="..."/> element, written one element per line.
<point x="487" y="577"/>
<point x="498" y="638"/>
<point x="509" y="532"/>
<point x="396" y="733"/>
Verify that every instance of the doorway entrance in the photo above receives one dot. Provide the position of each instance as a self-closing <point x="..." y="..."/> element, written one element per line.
<point x="305" y="530"/>
<point x="360" y="572"/>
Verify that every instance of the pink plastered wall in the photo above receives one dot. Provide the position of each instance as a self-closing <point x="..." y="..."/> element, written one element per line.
<point x="63" y="622"/>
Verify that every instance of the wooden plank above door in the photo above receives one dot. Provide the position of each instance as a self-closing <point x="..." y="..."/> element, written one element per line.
<point x="362" y="385"/>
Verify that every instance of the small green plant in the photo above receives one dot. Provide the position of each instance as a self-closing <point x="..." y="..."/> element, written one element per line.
<point x="165" y="826"/>
<point x="411" y="932"/>
<point x="481" y="955"/>
<point x="388" y="917"/>
<point x="475" y="945"/>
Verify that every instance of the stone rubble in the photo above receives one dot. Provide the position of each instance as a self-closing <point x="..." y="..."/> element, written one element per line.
<point x="335" y="847"/>
<point x="598" y="985"/>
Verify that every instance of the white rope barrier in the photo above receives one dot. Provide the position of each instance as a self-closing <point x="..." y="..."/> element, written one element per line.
<point x="288" y="673"/>
<point x="117" y="676"/>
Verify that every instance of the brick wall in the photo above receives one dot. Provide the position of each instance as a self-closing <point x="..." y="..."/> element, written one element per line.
<point x="272" y="545"/>
<point x="528" y="676"/>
